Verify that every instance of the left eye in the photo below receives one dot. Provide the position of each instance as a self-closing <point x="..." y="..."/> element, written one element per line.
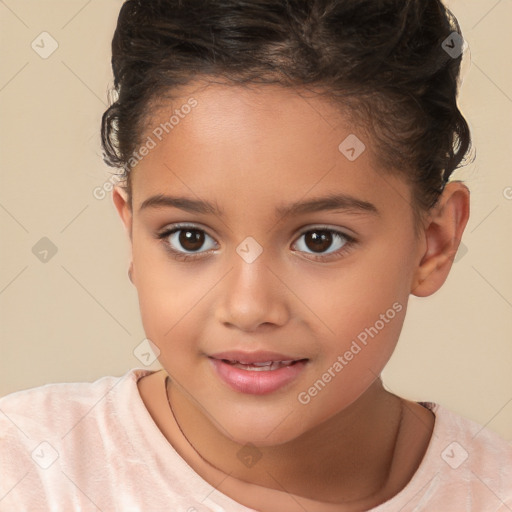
<point x="320" y="239"/>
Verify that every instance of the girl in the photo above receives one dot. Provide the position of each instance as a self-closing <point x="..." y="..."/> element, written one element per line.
<point x="286" y="188"/>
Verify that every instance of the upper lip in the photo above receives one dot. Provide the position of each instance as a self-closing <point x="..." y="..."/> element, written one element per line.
<point x="254" y="357"/>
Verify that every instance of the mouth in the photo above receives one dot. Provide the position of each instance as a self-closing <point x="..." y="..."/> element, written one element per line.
<point x="265" y="366"/>
<point x="257" y="373"/>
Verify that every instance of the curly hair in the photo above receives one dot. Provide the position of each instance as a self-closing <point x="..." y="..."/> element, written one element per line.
<point x="383" y="62"/>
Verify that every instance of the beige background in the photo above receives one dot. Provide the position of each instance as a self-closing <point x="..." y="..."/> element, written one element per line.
<point x="75" y="317"/>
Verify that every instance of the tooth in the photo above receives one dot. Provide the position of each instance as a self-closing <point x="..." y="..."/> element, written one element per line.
<point x="253" y="368"/>
<point x="262" y="366"/>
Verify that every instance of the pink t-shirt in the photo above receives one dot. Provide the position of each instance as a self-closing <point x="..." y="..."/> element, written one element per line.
<point x="94" y="447"/>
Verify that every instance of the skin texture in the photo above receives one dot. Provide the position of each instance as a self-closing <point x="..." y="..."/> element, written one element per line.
<point x="249" y="151"/>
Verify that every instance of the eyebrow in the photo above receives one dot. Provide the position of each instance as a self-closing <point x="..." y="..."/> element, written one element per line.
<point x="341" y="202"/>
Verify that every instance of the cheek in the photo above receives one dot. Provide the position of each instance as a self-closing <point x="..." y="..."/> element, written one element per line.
<point x="347" y="299"/>
<point x="165" y="291"/>
<point x="360" y="312"/>
<point x="352" y="362"/>
<point x="169" y="305"/>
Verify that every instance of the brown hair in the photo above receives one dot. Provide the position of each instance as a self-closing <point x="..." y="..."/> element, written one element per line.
<point x="387" y="63"/>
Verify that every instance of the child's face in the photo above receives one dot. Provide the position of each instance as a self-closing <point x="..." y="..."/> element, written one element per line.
<point x="248" y="153"/>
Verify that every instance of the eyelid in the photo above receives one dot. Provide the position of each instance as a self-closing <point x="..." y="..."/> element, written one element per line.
<point x="177" y="225"/>
<point x="194" y="225"/>
<point x="183" y="225"/>
<point x="327" y="227"/>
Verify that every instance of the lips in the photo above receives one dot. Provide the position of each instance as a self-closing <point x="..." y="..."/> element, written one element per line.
<point x="256" y="373"/>
<point x="262" y="357"/>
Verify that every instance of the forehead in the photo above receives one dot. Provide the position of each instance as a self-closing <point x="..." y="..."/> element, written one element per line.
<point x="267" y="120"/>
<point x="262" y="142"/>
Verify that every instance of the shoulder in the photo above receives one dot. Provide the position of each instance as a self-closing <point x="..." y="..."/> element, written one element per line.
<point x="470" y="461"/>
<point x="58" y="406"/>
<point x="465" y="467"/>
<point x="70" y="443"/>
<point x="474" y="443"/>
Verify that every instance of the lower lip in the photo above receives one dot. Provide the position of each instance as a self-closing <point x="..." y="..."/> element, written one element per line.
<point x="257" y="382"/>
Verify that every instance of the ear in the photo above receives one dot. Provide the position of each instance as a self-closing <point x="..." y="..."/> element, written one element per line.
<point x="123" y="207"/>
<point x="443" y="233"/>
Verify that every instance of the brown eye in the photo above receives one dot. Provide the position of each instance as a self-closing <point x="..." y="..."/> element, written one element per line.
<point x="191" y="239"/>
<point x="318" y="240"/>
<point x="322" y="243"/>
<point x="186" y="241"/>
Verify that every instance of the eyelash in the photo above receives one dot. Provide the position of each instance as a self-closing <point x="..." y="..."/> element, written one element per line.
<point x="177" y="255"/>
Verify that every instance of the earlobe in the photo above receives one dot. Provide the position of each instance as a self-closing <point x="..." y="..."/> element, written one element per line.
<point x="120" y="200"/>
<point x="443" y="236"/>
<point x="130" y="272"/>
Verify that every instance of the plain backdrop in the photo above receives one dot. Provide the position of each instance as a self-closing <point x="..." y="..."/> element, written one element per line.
<point x="68" y="311"/>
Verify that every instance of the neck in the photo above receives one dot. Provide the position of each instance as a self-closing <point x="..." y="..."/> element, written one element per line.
<point x="345" y="458"/>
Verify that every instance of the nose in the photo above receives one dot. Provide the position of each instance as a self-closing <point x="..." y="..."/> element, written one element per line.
<point x="253" y="296"/>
